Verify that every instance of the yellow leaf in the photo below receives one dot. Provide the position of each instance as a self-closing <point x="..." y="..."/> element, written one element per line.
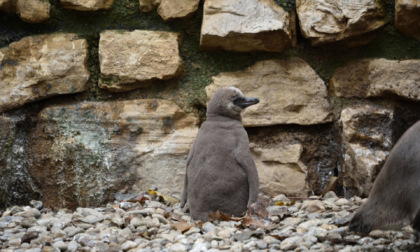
<point x="219" y="216"/>
<point x="182" y="226"/>
<point x="281" y="203"/>
<point x="165" y="198"/>
<point x="146" y="235"/>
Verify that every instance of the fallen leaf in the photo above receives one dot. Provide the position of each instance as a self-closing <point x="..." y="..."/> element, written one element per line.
<point x="259" y="220"/>
<point x="167" y="199"/>
<point x="146" y="235"/>
<point x="281" y="203"/>
<point x="182" y="226"/>
<point x="248" y="221"/>
<point x="219" y="216"/>
<point x="140" y="198"/>
<point x="236" y="218"/>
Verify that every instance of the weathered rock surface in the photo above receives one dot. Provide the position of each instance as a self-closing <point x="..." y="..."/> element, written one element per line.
<point x="294" y="159"/>
<point x="171" y="9"/>
<point x="16" y="186"/>
<point x="244" y="25"/>
<point x="87" y="5"/>
<point x="280" y="170"/>
<point x="377" y="78"/>
<point x="92" y="150"/>
<point x="42" y="66"/>
<point x="290" y="92"/>
<point x="129" y="60"/>
<point x="367" y="140"/>
<point x="34" y="11"/>
<point x="330" y="21"/>
<point x="407" y="17"/>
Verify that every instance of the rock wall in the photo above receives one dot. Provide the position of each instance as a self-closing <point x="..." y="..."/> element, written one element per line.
<point x="102" y="97"/>
<point x="82" y="154"/>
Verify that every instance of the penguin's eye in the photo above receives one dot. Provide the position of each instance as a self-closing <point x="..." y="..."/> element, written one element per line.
<point x="237" y="100"/>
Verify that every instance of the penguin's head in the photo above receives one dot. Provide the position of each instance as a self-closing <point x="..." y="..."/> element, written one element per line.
<point x="229" y="101"/>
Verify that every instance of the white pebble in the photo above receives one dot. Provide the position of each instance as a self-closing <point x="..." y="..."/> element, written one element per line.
<point x="291" y="243"/>
<point x="128" y="245"/>
<point x="73" y="246"/>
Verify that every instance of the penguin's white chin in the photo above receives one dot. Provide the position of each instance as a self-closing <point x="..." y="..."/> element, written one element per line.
<point x="235" y="110"/>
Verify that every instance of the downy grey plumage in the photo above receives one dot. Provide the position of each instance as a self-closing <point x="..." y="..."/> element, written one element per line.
<point x="221" y="174"/>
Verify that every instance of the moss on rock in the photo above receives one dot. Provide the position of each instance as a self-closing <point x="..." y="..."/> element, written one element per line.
<point x="188" y="90"/>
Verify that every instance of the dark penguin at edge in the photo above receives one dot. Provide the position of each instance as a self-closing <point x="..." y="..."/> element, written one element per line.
<point x="221" y="174"/>
<point x="394" y="201"/>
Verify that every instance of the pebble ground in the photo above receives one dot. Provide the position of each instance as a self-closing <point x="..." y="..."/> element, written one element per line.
<point x="315" y="224"/>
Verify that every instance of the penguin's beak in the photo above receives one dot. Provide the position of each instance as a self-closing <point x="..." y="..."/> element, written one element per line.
<point x="244" y="102"/>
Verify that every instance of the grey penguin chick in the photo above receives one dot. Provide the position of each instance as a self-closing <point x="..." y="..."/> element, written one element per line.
<point x="221" y="174"/>
<point x="394" y="201"/>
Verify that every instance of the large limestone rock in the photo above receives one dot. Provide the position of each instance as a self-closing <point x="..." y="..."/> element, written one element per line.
<point x="172" y="9"/>
<point x="33" y="11"/>
<point x="129" y="60"/>
<point x="407" y="17"/>
<point x="247" y="25"/>
<point x="378" y="78"/>
<point x="280" y="170"/>
<point x="366" y="141"/>
<point x="294" y="160"/>
<point x="325" y="21"/>
<point x="92" y="150"/>
<point x="42" y="66"/>
<point x="290" y="92"/>
<point x="16" y="186"/>
<point x="87" y="5"/>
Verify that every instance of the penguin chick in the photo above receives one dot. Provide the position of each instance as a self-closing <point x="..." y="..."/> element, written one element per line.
<point x="221" y="174"/>
<point x="394" y="201"/>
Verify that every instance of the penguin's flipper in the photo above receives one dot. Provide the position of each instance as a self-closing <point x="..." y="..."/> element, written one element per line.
<point x="243" y="157"/>
<point x="185" y="192"/>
